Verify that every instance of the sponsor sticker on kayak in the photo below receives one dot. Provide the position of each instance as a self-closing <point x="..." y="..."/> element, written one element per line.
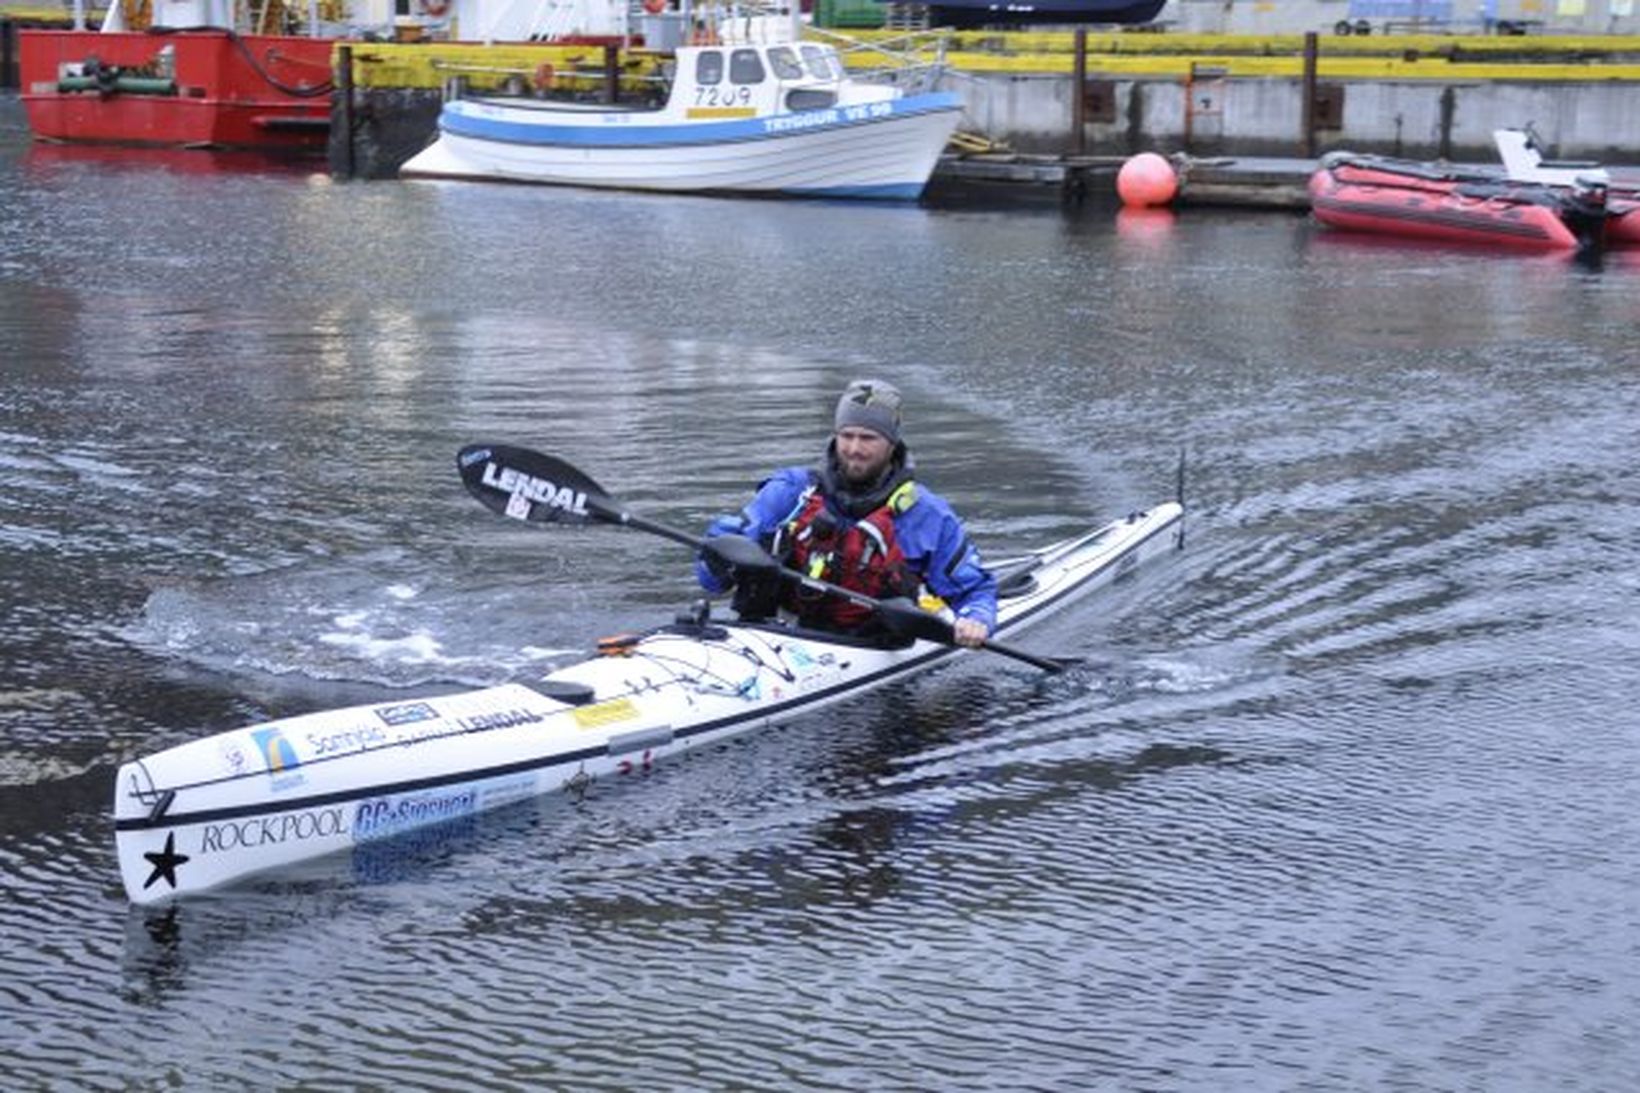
<point x="406" y="713"/>
<point x="604" y="713"/>
<point x="279" y="757"/>
<point x="385" y="817"/>
<point x="232" y="750"/>
<point x="331" y="741"/>
<point x="259" y="831"/>
<point x="498" y="719"/>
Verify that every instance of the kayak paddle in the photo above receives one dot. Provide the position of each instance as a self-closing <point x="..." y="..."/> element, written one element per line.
<point x="529" y="485"/>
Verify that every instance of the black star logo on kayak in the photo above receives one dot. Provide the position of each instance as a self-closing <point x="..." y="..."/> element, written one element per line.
<point x="165" y="863"/>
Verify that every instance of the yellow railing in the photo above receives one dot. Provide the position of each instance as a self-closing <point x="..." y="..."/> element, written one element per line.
<point x="1397" y="57"/>
<point x="1471" y="46"/>
<point x="430" y="65"/>
<point x="542" y="67"/>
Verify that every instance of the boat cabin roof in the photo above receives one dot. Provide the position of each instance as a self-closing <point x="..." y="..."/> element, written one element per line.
<point x="732" y="81"/>
<point x="743" y="80"/>
<point x="749" y="64"/>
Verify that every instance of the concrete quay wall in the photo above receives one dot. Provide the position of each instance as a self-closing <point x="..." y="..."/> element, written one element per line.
<point x="1593" y="119"/>
<point x="1246" y="117"/>
<point x="1415" y="96"/>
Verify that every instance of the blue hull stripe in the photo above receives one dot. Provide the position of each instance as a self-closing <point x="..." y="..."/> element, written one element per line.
<point x="630" y="132"/>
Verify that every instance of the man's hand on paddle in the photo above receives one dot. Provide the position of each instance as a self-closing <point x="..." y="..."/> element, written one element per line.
<point x="969" y="632"/>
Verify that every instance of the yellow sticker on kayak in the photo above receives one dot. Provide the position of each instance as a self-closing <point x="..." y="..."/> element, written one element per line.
<point x="604" y="713"/>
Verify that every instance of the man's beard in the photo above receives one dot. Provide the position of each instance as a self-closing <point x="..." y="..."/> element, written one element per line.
<point x="865" y="475"/>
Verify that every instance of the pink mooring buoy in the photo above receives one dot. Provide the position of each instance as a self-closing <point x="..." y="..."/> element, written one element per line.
<point x="1145" y="180"/>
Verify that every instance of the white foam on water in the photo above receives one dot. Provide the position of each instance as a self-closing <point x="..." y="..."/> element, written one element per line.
<point x="535" y="652"/>
<point x="417" y="648"/>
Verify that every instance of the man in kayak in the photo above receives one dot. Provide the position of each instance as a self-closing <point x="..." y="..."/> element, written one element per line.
<point x="860" y="521"/>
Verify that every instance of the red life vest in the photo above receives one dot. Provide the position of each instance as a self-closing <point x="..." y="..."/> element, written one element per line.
<point x="863" y="555"/>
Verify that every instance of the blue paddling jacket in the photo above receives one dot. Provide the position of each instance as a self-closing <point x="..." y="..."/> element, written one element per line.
<point x="932" y="539"/>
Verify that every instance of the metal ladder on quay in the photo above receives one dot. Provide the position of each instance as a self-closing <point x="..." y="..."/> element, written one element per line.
<point x="907" y="18"/>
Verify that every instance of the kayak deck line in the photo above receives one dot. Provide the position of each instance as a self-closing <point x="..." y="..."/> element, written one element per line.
<point x="153" y="797"/>
<point x="616" y="745"/>
<point x="216" y="810"/>
<point x="1126" y="561"/>
<point x="298" y="804"/>
<point x="268" y="808"/>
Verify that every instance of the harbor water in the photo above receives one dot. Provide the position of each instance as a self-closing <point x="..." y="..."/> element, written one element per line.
<point x="1342" y="799"/>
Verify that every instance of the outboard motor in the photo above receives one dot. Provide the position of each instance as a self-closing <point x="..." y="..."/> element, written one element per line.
<point x="1584" y="211"/>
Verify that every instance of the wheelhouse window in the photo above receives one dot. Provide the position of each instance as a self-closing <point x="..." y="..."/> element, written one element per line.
<point x="823" y="63"/>
<point x="785" y="64"/>
<point x="709" y="68"/>
<point x="799" y="99"/>
<point x="745" y="66"/>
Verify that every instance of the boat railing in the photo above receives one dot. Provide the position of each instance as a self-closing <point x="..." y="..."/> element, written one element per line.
<point x="662" y="24"/>
<point x="517" y="82"/>
<point x="902" y="61"/>
<point x="546" y="20"/>
<point x="739" y="22"/>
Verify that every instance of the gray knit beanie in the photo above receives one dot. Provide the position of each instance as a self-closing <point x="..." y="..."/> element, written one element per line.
<point x="871" y="404"/>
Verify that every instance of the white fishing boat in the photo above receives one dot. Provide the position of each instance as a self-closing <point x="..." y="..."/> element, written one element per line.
<point x="757" y="118"/>
<point x="217" y="810"/>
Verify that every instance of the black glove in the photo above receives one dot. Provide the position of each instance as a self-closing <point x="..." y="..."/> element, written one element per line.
<point x="715" y="573"/>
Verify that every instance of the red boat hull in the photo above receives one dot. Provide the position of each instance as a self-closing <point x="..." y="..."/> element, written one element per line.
<point x="1623" y="229"/>
<point x="228" y="90"/>
<point x="1373" y="201"/>
<point x="1456" y="205"/>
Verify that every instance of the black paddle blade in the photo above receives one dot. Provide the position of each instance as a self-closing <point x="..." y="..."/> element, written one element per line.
<point x="527" y="485"/>
<point x="742" y="553"/>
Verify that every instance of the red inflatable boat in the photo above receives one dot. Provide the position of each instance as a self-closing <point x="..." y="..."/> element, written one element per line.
<point x="1426" y="201"/>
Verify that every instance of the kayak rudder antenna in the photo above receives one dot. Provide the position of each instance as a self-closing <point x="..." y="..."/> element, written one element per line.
<point x="1178" y="495"/>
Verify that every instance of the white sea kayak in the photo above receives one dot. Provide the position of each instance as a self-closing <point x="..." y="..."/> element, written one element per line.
<point x="214" y="811"/>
